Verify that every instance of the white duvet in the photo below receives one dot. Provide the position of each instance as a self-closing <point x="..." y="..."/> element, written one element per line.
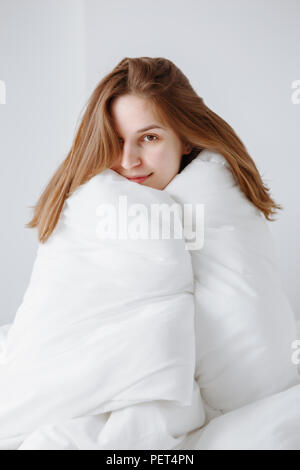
<point x="145" y="344"/>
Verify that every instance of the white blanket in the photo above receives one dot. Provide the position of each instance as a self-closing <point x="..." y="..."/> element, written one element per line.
<point x="102" y="348"/>
<point x="144" y="344"/>
<point x="245" y="326"/>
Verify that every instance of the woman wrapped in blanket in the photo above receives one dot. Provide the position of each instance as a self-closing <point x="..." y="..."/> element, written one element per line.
<point x="135" y="343"/>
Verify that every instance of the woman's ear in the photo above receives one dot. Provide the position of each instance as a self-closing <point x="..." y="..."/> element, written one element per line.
<point x="187" y="148"/>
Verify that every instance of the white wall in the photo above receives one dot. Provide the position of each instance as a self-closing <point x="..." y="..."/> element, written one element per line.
<point x="240" y="55"/>
<point x="42" y="62"/>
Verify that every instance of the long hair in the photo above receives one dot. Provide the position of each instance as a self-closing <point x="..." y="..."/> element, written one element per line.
<point x="174" y="101"/>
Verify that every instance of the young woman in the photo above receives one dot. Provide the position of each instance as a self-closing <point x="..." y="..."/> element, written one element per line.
<point x="139" y="95"/>
<point x="107" y="332"/>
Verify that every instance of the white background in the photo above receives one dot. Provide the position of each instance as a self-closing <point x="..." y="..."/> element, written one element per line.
<point x="241" y="56"/>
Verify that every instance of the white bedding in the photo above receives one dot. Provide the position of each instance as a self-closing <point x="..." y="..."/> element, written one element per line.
<point x="245" y="326"/>
<point x="143" y="344"/>
<point x="271" y="423"/>
<point x="105" y="329"/>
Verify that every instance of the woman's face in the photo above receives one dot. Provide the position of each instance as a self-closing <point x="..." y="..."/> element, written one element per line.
<point x="146" y="148"/>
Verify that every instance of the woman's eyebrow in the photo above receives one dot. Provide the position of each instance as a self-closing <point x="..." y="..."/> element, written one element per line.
<point x="151" y="126"/>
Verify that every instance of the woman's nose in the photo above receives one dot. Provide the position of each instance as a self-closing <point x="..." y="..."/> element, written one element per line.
<point x="129" y="161"/>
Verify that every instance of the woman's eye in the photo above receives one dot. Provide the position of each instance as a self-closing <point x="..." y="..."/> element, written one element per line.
<point x="147" y="135"/>
<point x="150" y="135"/>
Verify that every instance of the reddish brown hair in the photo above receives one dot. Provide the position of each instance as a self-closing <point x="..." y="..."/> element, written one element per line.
<point x="96" y="144"/>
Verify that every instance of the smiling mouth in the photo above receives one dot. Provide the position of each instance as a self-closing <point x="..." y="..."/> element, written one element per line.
<point x="139" y="179"/>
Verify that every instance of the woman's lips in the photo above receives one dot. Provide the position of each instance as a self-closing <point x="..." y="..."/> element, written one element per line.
<point x="140" y="179"/>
